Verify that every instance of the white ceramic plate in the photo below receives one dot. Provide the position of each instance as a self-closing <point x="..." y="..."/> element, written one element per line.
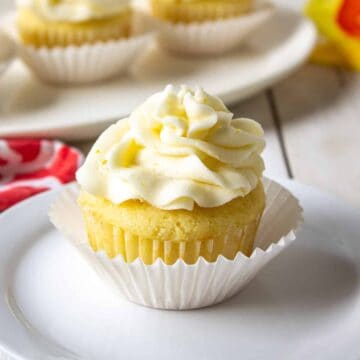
<point x="304" y="305"/>
<point x="31" y="108"/>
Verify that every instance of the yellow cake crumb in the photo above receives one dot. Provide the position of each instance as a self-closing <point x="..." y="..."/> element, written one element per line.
<point x="199" y="11"/>
<point x="38" y="32"/>
<point x="136" y="229"/>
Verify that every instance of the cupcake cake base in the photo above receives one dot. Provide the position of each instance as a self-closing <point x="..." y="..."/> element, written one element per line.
<point x="138" y="230"/>
<point x="38" y="32"/>
<point x="187" y="12"/>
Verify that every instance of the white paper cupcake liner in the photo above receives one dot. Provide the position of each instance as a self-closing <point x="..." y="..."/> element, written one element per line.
<point x="210" y="37"/>
<point x="80" y="64"/>
<point x="83" y="64"/>
<point x="181" y="286"/>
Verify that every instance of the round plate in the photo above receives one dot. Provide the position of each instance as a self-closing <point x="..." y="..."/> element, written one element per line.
<point x="304" y="305"/>
<point x="31" y="108"/>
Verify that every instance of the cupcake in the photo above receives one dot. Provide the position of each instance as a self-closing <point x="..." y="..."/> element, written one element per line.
<point x="205" y="27"/>
<point x="79" y="41"/>
<point x="179" y="179"/>
<point x="62" y="23"/>
<point x="170" y="201"/>
<point x="199" y="10"/>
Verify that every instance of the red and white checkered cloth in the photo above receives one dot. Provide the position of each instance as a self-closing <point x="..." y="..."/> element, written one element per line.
<point x="29" y="167"/>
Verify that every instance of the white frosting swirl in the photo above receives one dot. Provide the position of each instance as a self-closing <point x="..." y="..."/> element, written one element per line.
<point x="177" y="149"/>
<point x="75" y="10"/>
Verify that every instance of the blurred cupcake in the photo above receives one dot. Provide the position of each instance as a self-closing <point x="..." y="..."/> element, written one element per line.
<point x="77" y="22"/>
<point x="204" y="27"/>
<point x="179" y="179"/>
<point x="186" y="11"/>
<point x="76" y="41"/>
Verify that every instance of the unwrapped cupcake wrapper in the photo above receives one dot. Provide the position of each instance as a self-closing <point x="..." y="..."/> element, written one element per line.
<point x="181" y="286"/>
<point x="210" y="37"/>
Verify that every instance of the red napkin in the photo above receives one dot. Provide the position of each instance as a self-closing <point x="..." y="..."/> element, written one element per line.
<point x="29" y="167"/>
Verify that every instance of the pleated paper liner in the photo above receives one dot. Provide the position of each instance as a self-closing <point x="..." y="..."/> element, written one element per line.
<point x="83" y="64"/>
<point x="210" y="37"/>
<point x="181" y="286"/>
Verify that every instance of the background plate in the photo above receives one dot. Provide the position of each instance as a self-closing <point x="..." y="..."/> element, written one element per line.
<point x="30" y="108"/>
<point x="304" y="305"/>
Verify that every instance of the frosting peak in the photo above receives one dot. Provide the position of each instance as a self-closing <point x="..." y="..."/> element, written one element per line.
<point x="75" y="10"/>
<point x="177" y="149"/>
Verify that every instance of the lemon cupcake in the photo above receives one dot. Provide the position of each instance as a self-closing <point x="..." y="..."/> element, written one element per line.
<point x="205" y="27"/>
<point x="47" y="23"/>
<point x="186" y="11"/>
<point x="179" y="179"/>
<point x="170" y="203"/>
<point x="78" y="41"/>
